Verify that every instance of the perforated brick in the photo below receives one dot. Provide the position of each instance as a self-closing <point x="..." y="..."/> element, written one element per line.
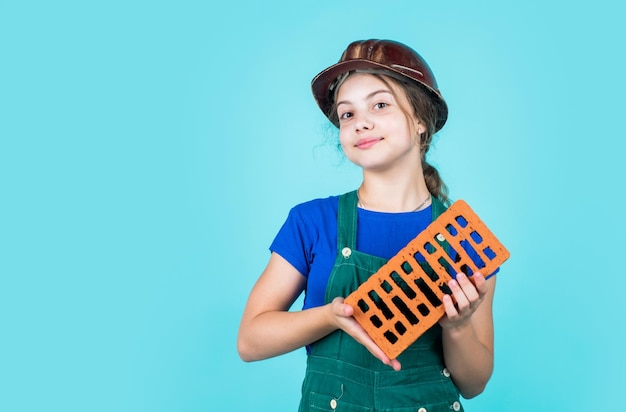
<point x="402" y="300"/>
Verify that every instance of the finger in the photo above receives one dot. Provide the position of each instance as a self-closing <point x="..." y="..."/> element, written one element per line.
<point x="458" y="294"/>
<point x="378" y="352"/>
<point x="480" y="283"/>
<point x="395" y="365"/>
<point x="468" y="288"/>
<point x="342" y="309"/>
<point x="347" y="310"/>
<point x="448" y="304"/>
<point x="360" y="335"/>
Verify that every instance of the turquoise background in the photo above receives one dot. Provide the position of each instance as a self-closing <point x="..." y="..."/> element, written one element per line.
<point x="150" y="150"/>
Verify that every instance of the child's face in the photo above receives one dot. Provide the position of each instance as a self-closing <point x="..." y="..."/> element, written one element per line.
<point x="374" y="129"/>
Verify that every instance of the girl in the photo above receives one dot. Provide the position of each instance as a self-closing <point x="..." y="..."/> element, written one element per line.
<point x="385" y="101"/>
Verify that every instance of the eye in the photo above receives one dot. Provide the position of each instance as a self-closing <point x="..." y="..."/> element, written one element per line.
<point x="345" y="115"/>
<point x="380" y="105"/>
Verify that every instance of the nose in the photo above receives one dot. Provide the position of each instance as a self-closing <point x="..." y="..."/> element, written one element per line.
<point x="363" y="122"/>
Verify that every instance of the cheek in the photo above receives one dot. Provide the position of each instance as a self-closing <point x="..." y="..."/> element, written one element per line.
<point x="343" y="140"/>
<point x="346" y="146"/>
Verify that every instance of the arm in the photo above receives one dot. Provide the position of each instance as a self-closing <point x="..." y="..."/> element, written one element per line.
<point x="468" y="333"/>
<point x="268" y="329"/>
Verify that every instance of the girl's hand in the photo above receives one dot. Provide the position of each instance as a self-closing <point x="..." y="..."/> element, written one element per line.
<point x="468" y="294"/>
<point x="342" y="318"/>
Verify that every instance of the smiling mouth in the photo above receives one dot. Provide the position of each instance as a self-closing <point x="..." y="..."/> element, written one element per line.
<point x="367" y="143"/>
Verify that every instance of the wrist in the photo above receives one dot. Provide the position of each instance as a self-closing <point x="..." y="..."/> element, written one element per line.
<point x="459" y="331"/>
<point x="330" y="317"/>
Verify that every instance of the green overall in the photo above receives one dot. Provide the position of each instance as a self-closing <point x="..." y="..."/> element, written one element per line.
<point x="343" y="376"/>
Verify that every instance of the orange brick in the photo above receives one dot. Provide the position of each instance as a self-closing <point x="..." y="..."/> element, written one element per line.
<point x="401" y="301"/>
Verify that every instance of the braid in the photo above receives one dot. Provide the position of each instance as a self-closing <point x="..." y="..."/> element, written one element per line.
<point x="427" y="112"/>
<point x="433" y="179"/>
<point x="434" y="183"/>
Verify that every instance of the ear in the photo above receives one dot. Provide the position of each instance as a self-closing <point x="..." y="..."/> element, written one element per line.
<point x="419" y="127"/>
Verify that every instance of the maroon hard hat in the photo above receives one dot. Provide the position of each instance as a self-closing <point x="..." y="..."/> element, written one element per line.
<point x="386" y="55"/>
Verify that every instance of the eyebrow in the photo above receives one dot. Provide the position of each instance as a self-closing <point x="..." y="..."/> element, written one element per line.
<point x="369" y="96"/>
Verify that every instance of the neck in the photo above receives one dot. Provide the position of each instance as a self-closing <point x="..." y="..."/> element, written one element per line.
<point x="394" y="196"/>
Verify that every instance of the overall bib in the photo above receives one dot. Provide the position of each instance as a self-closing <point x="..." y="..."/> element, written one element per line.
<point x="342" y="375"/>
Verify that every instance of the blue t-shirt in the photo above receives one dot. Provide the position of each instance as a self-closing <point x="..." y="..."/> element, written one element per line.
<point x="308" y="239"/>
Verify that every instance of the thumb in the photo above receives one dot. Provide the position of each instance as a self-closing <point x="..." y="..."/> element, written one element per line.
<point x="341" y="308"/>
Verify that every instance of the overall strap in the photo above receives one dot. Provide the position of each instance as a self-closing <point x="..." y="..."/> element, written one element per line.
<point x="346" y="221"/>
<point x="438" y="207"/>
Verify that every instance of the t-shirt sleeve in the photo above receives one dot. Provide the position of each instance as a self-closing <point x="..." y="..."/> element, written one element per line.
<point x="293" y="242"/>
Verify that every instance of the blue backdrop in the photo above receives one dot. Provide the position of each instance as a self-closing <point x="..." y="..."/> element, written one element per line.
<point x="150" y="150"/>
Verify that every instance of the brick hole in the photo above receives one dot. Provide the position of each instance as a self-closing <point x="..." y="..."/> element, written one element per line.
<point x="446" y="265"/>
<point x="461" y="221"/>
<point x="423" y="309"/>
<point x="391" y="337"/>
<point x="454" y="255"/>
<point x="419" y="258"/>
<point x="476" y="237"/>
<point x="400" y="328"/>
<point x="427" y="268"/>
<point x="427" y="292"/>
<point x="451" y="229"/>
<point x="445" y="288"/>
<point x="431" y="273"/>
<point x="386" y="286"/>
<point x="428" y="247"/>
<point x="489" y="253"/>
<point x="404" y="309"/>
<point x="472" y="253"/>
<point x="407" y="267"/>
<point x="363" y="306"/>
<point x="467" y="270"/>
<point x="410" y="293"/>
<point x="380" y="304"/>
<point x="376" y="321"/>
